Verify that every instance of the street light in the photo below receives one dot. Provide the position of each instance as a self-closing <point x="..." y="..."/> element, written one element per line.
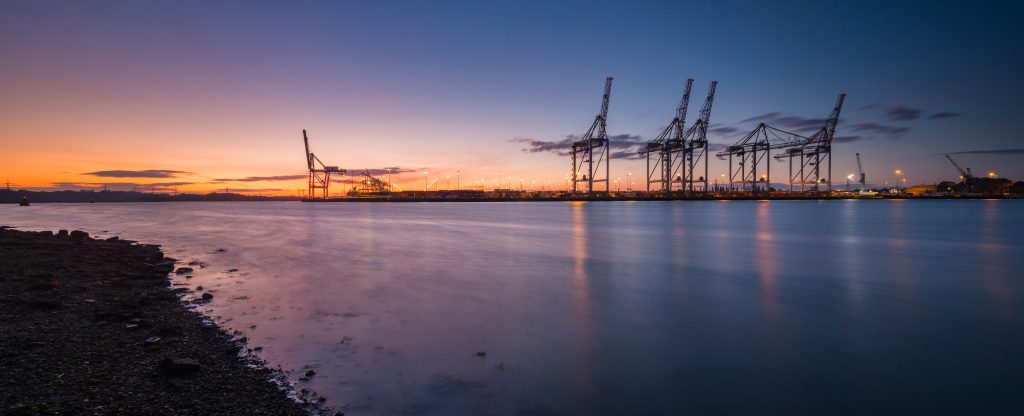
<point x="899" y="172"/>
<point x="848" y="179"/>
<point x="991" y="174"/>
<point x="425" y="175"/>
<point x="448" y="183"/>
<point x="629" y="185"/>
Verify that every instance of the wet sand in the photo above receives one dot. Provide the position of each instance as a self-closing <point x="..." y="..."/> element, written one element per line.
<point x="94" y="327"/>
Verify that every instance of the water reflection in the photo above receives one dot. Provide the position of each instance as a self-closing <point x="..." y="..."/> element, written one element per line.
<point x="581" y="315"/>
<point x="764" y="249"/>
<point x="607" y="308"/>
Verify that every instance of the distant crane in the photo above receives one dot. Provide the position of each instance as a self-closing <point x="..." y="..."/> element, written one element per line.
<point x="319" y="178"/>
<point x="860" y="169"/>
<point x="863" y="179"/>
<point x="964" y="174"/>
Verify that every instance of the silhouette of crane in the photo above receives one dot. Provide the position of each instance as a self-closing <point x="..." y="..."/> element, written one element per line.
<point x="319" y="177"/>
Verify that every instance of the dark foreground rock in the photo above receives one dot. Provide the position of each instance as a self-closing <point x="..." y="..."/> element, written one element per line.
<point x="93" y="327"/>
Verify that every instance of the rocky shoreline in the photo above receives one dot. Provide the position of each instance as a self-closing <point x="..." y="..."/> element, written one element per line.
<point x="93" y="327"/>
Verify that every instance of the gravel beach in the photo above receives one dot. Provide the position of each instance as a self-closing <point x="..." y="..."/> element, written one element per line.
<point x="94" y="327"/>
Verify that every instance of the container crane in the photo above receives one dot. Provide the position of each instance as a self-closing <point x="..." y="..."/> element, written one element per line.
<point x="583" y="151"/>
<point x="319" y="177"/>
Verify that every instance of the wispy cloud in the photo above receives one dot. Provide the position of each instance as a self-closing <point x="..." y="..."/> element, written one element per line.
<point x="625" y="146"/>
<point x="900" y="113"/>
<point x="991" y="152"/>
<point x="942" y="115"/>
<point x="149" y="173"/>
<point x="891" y="132"/>
<point x="261" y="178"/>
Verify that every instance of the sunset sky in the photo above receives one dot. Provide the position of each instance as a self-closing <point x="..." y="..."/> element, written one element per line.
<point x="211" y="95"/>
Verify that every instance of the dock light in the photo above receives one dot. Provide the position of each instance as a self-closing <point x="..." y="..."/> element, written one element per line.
<point x="991" y="174"/>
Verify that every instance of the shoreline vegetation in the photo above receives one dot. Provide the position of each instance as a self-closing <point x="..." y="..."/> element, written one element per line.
<point x="92" y="326"/>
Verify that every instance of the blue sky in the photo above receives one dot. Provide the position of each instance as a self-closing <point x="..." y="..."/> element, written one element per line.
<point x="447" y="86"/>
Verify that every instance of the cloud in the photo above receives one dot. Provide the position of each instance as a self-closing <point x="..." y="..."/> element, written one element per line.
<point x="899" y="113"/>
<point x="723" y="130"/>
<point x="149" y="173"/>
<point x="942" y="115"/>
<point x="891" y="132"/>
<point x="991" y="152"/>
<point x="381" y="171"/>
<point x="262" y="178"/>
<point x="787" y="122"/>
<point x="626" y="145"/>
<point x="846" y="139"/>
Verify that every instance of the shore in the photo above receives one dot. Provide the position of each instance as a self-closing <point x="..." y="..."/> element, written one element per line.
<point x="93" y="327"/>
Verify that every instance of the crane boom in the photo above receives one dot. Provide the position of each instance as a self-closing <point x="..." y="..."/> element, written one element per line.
<point x="966" y="174"/>
<point x="309" y="156"/>
<point x="684" y="105"/>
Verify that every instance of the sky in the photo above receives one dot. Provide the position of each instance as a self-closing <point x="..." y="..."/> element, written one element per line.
<point x="212" y="95"/>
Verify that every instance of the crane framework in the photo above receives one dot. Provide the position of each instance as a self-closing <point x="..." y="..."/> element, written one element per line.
<point x="319" y="174"/>
<point x="668" y="144"/>
<point x="695" y="146"/>
<point x="593" y="143"/>
<point x="365" y="184"/>
<point x="754" y="149"/>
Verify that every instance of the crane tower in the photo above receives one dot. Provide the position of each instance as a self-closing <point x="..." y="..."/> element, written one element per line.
<point x="593" y="144"/>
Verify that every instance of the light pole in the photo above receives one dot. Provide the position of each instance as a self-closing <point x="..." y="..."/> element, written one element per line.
<point x="629" y="183"/>
<point x="848" y="179"/>
<point x="448" y="183"/>
<point x="458" y="180"/>
<point x="425" y="175"/>
<point x="899" y="172"/>
<point x="390" y="186"/>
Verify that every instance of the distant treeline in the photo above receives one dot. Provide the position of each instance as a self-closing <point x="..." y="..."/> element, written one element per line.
<point x="15" y="195"/>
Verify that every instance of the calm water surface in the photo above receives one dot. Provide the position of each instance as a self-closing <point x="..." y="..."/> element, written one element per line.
<point x="610" y="307"/>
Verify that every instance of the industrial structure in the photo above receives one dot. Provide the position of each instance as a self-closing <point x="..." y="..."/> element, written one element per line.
<point x="695" y="145"/>
<point x="754" y="149"/>
<point x="583" y="150"/>
<point x="679" y="151"/>
<point x="668" y="144"/>
<point x="319" y="177"/>
<point x="966" y="176"/>
<point x="365" y="184"/>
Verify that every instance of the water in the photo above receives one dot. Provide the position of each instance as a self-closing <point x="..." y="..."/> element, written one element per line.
<point x="610" y="307"/>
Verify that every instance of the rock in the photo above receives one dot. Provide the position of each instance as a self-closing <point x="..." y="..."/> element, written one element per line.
<point x="221" y="250"/>
<point x="199" y="288"/>
<point x="481" y="353"/>
<point x="45" y="304"/>
<point x="151" y="341"/>
<point x="183" y="270"/>
<point x="207" y="296"/>
<point x="62" y="233"/>
<point x="42" y="286"/>
<point x="232" y="270"/>
<point x="114" y="238"/>
<point x="79" y="235"/>
<point x="310" y="373"/>
<point x="179" y="366"/>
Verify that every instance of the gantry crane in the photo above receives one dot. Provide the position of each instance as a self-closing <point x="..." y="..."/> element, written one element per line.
<point x="595" y="138"/>
<point x="695" y="145"/>
<point x="667" y="145"/>
<point x="319" y="178"/>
